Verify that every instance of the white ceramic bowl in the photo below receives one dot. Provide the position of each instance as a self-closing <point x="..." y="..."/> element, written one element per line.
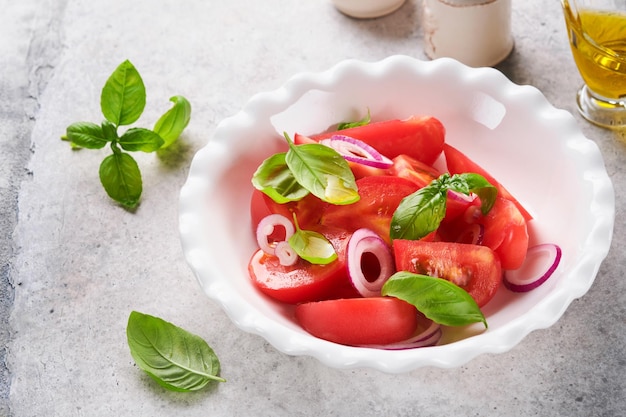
<point x="535" y="150"/>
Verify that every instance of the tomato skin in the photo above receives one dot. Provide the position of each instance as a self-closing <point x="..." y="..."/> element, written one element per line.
<point x="474" y="268"/>
<point x="307" y="210"/>
<point x="380" y="196"/>
<point x="506" y="232"/>
<point x="359" y="321"/>
<point x="413" y="170"/>
<point x="459" y="163"/>
<point x="303" y="281"/>
<point x="420" y="137"/>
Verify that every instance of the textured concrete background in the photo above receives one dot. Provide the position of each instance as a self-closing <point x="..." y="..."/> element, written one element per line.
<point x="73" y="265"/>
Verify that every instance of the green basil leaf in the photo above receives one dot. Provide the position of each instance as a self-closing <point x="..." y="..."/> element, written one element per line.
<point x="175" y="358"/>
<point x="323" y="171"/>
<point x="438" y="299"/>
<point x="274" y="178"/>
<point x="121" y="178"/>
<point x="140" y="139"/>
<point x="86" y="135"/>
<point x="364" y="121"/>
<point x="174" y="121"/>
<point x="312" y="246"/>
<point x="420" y="213"/>
<point x="123" y="96"/>
<point x="478" y="185"/>
<point x="110" y="131"/>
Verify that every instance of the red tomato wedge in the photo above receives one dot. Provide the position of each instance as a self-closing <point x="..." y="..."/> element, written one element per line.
<point x="474" y="268"/>
<point x="308" y="210"/>
<point x="419" y="173"/>
<point x="303" y="281"/>
<point x="506" y="232"/>
<point x="380" y="196"/>
<point x="459" y="163"/>
<point x="359" y="321"/>
<point x="420" y="137"/>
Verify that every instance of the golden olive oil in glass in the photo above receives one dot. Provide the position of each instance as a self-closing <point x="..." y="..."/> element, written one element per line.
<point x="598" y="41"/>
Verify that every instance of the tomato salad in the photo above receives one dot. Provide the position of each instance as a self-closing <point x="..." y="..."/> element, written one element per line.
<point x="374" y="245"/>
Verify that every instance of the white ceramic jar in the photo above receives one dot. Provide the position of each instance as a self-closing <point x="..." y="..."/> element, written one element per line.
<point x="475" y="32"/>
<point x="366" y="9"/>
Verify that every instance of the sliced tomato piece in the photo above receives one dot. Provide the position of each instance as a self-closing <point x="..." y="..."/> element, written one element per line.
<point x="359" y="321"/>
<point x="413" y="170"/>
<point x="308" y="210"/>
<point x="459" y="163"/>
<point x="420" y="137"/>
<point x="474" y="268"/>
<point x="458" y="204"/>
<point x="506" y="232"/>
<point x="380" y="196"/>
<point x="304" y="281"/>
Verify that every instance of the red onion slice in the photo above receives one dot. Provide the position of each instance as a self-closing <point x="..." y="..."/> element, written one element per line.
<point x="286" y="255"/>
<point x="365" y="245"/>
<point x="461" y="198"/>
<point x="428" y="337"/>
<point x="355" y="150"/>
<point x="267" y="226"/>
<point x="540" y="263"/>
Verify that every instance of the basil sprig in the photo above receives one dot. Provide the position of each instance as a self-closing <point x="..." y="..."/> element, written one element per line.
<point x="303" y="169"/>
<point x="438" y="299"/>
<point x="173" y="357"/>
<point x="420" y="213"/>
<point x="122" y="102"/>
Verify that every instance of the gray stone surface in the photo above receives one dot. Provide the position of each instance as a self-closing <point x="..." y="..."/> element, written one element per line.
<point x="73" y="265"/>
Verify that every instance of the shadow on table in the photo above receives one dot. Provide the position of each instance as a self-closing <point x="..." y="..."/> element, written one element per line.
<point x="397" y="25"/>
<point x="176" y="155"/>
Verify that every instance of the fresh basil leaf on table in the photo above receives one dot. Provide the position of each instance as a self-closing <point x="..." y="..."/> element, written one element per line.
<point x="171" y="125"/>
<point x="122" y="101"/>
<point x="173" y="357"/>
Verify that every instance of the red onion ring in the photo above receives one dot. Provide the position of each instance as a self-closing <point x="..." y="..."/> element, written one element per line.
<point x="355" y="150"/>
<point x="365" y="241"/>
<point x="285" y="253"/>
<point x="540" y="263"/>
<point x="428" y="337"/>
<point x="460" y="197"/>
<point x="266" y="227"/>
